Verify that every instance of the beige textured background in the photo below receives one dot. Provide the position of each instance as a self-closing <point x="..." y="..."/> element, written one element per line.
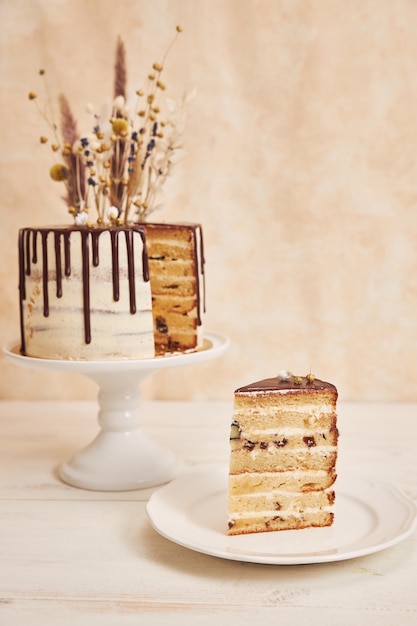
<point x="301" y="166"/>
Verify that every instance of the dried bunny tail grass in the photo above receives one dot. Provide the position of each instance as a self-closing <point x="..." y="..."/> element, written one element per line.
<point x="75" y="181"/>
<point x="68" y="124"/>
<point x="120" y="73"/>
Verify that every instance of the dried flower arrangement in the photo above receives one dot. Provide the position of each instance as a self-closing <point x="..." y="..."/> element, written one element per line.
<point x="120" y="167"/>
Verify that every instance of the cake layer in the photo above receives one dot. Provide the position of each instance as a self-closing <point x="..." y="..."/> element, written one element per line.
<point x="268" y="523"/>
<point x="286" y="502"/>
<point x="272" y="458"/>
<point x="288" y="438"/>
<point x="294" y="481"/>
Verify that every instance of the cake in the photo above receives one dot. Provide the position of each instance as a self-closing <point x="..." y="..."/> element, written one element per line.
<point x="113" y="284"/>
<point x="111" y="293"/>
<point x="283" y="451"/>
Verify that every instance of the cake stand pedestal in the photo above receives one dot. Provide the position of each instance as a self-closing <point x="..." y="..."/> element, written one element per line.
<point x="121" y="457"/>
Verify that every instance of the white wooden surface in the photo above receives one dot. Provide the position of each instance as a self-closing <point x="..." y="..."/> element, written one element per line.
<point x="69" y="556"/>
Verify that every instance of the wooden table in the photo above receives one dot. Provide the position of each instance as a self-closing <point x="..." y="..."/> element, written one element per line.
<point x="69" y="556"/>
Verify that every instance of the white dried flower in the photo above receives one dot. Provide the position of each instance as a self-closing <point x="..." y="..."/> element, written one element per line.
<point x="284" y="375"/>
<point x="81" y="219"/>
<point x="119" y="103"/>
<point x="112" y="213"/>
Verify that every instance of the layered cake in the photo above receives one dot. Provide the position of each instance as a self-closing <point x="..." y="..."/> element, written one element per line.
<point x="283" y="451"/>
<point x="110" y="293"/>
<point x="113" y="285"/>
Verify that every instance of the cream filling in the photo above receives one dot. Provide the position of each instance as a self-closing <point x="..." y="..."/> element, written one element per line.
<point x="308" y="510"/>
<point x="296" y="474"/>
<point x="287" y="432"/>
<point x="303" y="450"/>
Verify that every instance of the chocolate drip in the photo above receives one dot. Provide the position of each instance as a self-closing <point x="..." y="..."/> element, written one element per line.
<point x="85" y="250"/>
<point x="58" y="265"/>
<point x="131" y="269"/>
<point x="95" y="248"/>
<point x="28" y="256"/>
<point x="45" y="270"/>
<point x="67" y="253"/>
<point x="115" y="263"/>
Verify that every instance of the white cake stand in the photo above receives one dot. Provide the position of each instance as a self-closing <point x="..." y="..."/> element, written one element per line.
<point x="121" y="457"/>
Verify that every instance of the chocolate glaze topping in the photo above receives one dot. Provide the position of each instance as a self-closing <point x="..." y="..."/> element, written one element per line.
<point x="28" y="256"/>
<point x="277" y="384"/>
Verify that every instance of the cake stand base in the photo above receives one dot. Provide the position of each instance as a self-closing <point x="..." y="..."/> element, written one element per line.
<point x="121" y="457"/>
<point x="120" y="461"/>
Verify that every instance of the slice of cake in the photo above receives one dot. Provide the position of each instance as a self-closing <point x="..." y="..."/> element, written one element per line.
<point x="283" y="451"/>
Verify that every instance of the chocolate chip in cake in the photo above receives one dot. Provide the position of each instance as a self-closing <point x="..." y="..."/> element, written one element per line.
<point x="249" y="445"/>
<point x="280" y="443"/>
<point x="263" y="445"/>
<point x="309" y="441"/>
<point x="161" y="325"/>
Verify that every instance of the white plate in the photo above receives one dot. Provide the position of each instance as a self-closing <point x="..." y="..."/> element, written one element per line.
<point x="369" y="516"/>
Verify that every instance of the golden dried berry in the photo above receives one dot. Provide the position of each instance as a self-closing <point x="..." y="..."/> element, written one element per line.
<point x="157" y="67"/>
<point x="43" y="139"/>
<point x="310" y="377"/>
<point x="298" y="380"/>
<point x="58" y="172"/>
<point x="32" y="95"/>
<point x="179" y="29"/>
<point x="161" y="85"/>
<point x="120" y="127"/>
